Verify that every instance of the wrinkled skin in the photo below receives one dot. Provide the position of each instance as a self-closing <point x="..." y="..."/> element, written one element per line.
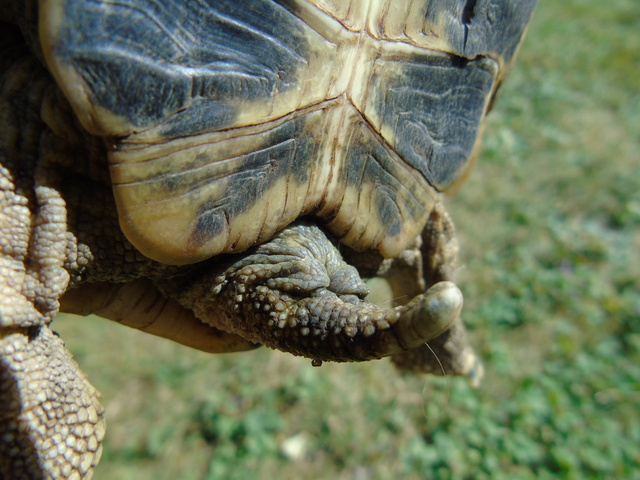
<point x="61" y="249"/>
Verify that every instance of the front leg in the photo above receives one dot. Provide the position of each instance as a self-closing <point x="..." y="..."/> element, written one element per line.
<point x="295" y="293"/>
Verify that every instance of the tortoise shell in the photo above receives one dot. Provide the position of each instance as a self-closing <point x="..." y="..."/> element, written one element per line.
<point x="225" y="121"/>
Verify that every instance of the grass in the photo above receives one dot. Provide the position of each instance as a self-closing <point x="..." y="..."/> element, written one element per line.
<point x="549" y="224"/>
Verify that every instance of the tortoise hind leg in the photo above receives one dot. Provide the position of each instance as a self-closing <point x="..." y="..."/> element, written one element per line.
<point x="295" y="293"/>
<point x="52" y="423"/>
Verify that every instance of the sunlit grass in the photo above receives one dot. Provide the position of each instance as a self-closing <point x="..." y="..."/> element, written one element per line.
<point x="549" y="224"/>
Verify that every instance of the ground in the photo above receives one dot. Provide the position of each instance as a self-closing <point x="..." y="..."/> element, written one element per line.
<point x="549" y="224"/>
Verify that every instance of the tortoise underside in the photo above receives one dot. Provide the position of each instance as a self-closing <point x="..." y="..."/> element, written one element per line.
<point x="230" y="121"/>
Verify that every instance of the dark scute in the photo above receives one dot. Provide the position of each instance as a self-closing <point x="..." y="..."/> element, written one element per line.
<point x="286" y="151"/>
<point x="388" y="212"/>
<point x="482" y="27"/>
<point x="203" y="114"/>
<point x="163" y="92"/>
<point x="211" y="222"/>
<point x="367" y="161"/>
<point x="434" y="107"/>
<point x="147" y="61"/>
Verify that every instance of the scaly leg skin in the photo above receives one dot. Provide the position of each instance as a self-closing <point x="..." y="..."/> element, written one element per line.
<point x="296" y="294"/>
<point x="52" y="423"/>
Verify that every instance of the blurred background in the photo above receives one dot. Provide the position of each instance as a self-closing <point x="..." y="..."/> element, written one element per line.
<point x="549" y="225"/>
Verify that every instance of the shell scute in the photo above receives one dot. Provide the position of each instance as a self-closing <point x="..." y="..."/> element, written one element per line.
<point x="232" y="119"/>
<point x="432" y="124"/>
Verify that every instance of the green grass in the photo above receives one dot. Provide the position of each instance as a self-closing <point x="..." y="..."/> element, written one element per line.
<point x="549" y="224"/>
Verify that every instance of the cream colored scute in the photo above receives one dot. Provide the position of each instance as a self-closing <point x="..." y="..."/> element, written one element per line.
<point x="159" y="212"/>
<point x="159" y="196"/>
<point x="394" y="20"/>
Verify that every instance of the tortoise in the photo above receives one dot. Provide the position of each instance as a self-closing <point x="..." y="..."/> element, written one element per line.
<point x="224" y="174"/>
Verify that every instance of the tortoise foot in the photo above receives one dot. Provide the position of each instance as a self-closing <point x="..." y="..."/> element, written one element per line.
<point x="295" y="293"/>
